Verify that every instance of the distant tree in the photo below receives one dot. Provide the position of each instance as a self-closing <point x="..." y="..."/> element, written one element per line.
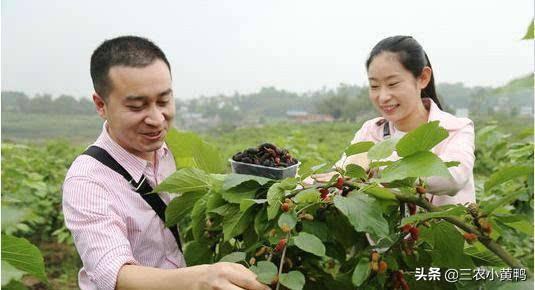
<point x="42" y="104"/>
<point x="66" y="104"/>
<point x="14" y="101"/>
<point x="346" y="103"/>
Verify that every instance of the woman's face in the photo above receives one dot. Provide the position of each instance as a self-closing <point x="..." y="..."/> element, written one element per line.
<point x="394" y="91"/>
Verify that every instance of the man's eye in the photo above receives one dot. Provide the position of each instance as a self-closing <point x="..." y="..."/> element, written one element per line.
<point x="163" y="103"/>
<point x="135" y="108"/>
<point x="393" y="84"/>
<point x="374" y="87"/>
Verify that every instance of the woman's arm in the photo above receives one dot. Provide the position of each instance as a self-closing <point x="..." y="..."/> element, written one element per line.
<point x="459" y="147"/>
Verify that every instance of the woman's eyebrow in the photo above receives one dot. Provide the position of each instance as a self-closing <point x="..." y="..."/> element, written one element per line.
<point x="387" y="78"/>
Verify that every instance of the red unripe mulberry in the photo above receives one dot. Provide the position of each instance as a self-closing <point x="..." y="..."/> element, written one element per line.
<point x="340" y="183"/>
<point x="280" y="245"/>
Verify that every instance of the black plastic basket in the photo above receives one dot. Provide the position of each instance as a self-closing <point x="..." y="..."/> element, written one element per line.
<point x="264" y="171"/>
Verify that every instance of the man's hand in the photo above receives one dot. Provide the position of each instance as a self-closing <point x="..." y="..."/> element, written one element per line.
<point x="221" y="276"/>
<point x="228" y="276"/>
<point x="321" y="177"/>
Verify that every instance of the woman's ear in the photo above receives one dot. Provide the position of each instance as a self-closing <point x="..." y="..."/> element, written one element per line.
<point x="100" y="105"/>
<point x="425" y="77"/>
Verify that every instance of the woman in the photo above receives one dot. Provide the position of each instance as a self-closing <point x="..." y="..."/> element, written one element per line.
<point x="402" y="89"/>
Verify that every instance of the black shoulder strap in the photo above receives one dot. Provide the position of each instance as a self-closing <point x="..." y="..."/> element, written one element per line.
<point x="386" y="130"/>
<point x="142" y="187"/>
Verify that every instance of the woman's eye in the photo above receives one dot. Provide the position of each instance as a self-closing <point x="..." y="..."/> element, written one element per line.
<point x="374" y="87"/>
<point x="393" y="84"/>
<point x="163" y="103"/>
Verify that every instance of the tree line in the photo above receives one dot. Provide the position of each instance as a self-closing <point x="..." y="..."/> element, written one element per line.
<point x="345" y="102"/>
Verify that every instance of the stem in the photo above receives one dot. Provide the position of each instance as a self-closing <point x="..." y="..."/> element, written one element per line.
<point x="485" y="240"/>
<point x="397" y="241"/>
<point x="310" y="205"/>
<point x="282" y="261"/>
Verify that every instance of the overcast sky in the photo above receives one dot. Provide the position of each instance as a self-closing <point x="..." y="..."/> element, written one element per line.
<point x="225" y="46"/>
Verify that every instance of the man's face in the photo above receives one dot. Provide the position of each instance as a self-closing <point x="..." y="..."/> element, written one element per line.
<point x="140" y="107"/>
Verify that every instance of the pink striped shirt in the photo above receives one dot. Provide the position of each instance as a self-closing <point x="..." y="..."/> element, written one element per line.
<point x="111" y="223"/>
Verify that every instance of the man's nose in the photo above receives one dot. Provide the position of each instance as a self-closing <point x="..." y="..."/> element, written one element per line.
<point x="155" y="117"/>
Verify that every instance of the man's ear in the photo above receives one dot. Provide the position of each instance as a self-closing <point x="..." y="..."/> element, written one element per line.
<point x="425" y="77"/>
<point x="100" y="105"/>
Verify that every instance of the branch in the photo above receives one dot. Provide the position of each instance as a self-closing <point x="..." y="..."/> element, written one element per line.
<point x="282" y="261"/>
<point x="485" y="240"/>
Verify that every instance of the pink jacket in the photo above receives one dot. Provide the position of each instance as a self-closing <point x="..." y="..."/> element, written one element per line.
<point x="459" y="146"/>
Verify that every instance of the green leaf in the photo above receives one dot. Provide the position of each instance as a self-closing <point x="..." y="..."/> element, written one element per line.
<point x="494" y="204"/>
<point x="453" y="211"/>
<point x="198" y="215"/>
<point x="246" y="190"/>
<point x="423" y="138"/>
<point x="215" y="200"/>
<point x="529" y="32"/>
<point x="265" y="271"/>
<point x="288" y="219"/>
<point x="15" y="285"/>
<point x="10" y="273"/>
<point x="185" y="180"/>
<point x="382" y="149"/>
<point x="318" y="167"/>
<point x="12" y="216"/>
<point x="293" y="280"/>
<point x="289" y="183"/>
<point x="224" y="210"/>
<point x="316" y="228"/>
<point x="379" y="192"/>
<point x="355" y="171"/>
<point x="376" y="164"/>
<point x="261" y="221"/>
<point x="359" y="147"/>
<point x="309" y="195"/>
<point x="180" y="207"/>
<point x="235" y="222"/>
<point x="522" y="226"/>
<point x="234" y="257"/>
<point x="274" y="196"/>
<point x="232" y="180"/>
<point x="189" y="150"/>
<point x="309" y="243"/>
<point x="483" y="256"/>
<point x="452" y="163"/>
<point x="421" y="164"/>
<point x="24" y="256"/>
<point x="520" y="285"/>
<point x="506" y="174"/>
<point x="361" y="272"/>
<point x="363" y="212"/>
<point x="247" y="203"/>
<point x="196" y="253"/>
<point x="448" y="245"/>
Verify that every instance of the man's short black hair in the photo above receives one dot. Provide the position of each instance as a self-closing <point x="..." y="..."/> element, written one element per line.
<point x="130" y="51"/>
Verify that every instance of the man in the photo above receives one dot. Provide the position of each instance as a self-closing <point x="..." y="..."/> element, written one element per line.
<point x="122" y="241"/>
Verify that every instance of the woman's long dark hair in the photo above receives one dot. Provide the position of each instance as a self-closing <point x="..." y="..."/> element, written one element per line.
<point x="413" y="58"/>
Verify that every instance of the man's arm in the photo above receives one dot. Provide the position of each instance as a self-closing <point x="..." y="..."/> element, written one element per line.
<point x="216" y="276"/>
<point x="101" y="239"/>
